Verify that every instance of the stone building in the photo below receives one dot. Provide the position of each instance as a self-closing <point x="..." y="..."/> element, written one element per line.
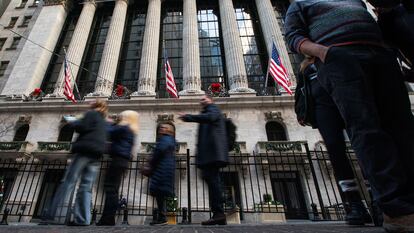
<point x="125" y="42"/>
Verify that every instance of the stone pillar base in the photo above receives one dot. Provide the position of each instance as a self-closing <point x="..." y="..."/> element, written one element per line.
<point x="242" y="92"/>
<point x="143" y="95"/>
<point x="191" y="94"/>
<point x="53" y="98"/>
<point x="93" y="96"/>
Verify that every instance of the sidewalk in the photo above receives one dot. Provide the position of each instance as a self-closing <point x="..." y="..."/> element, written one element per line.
<point x="337" y="227"/>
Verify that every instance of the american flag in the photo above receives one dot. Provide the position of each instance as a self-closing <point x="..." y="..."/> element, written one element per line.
<point x="170" y="83"/>
<point x="68" y="89"/>
<point x="278" y="71"/>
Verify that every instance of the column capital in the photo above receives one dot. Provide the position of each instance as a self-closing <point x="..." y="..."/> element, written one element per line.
<point x="67" y="4"/>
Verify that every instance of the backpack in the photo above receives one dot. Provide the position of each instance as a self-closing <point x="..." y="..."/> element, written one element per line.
<point x="231" y="134"/>
<point x="303" y="99"/>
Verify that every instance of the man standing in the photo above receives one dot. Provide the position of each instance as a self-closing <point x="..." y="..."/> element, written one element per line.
<point x="365" y="82"/>
<point x="212" y="154"/>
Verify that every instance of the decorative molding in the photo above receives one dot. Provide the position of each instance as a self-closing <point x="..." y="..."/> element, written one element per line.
<point x="165" y="118"/>
<point x="24" y="119"/>
<point x="274" y="116"/>
<point x="67" y="4"/>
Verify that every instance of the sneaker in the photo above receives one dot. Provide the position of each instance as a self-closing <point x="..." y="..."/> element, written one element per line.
<point x="402" y="224"/>
<point x="217" y="219"/>
<point x="377" y="215"/>
<point x="73" y="223"/>
<point x="356" y="215"/>
<point x="159" y="223"/>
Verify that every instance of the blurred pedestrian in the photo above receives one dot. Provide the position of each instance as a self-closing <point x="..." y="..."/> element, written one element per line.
<point x="162" y="174"/>
<point x="121" y="136"/>
<point x="212" y="154"/>
<point x="88" y="149"/>
<point x="365" y="83"/>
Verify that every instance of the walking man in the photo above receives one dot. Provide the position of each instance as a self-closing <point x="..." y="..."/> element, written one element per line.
<point x="212" y="154"/>
<point x="365" y="82"/>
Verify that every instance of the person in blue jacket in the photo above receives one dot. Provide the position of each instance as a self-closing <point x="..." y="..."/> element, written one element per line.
<point x="162" y="167"/>
<point x="122" y="137"/>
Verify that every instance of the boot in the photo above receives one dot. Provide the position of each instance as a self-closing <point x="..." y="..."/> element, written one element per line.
<point x="160" y="221"/>
<point x="377" y="215"/>
<point x="106" y="221"/>
<point x="217" y="219"/>
<point x="357" y="214"/>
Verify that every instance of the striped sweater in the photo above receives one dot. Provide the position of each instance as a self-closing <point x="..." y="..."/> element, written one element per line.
<point x="329" y="22"/>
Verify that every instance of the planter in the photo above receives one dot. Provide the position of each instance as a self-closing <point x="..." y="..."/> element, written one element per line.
<point x="172" y="218"/>
<point x="270" y="213"/>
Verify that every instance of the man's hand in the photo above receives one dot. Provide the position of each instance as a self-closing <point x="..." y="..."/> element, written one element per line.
<point x="181" y="115"/>
<point x="314" y="50"/>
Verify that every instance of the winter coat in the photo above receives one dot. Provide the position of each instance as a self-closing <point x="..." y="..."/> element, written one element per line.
<point x="92" y="135"/>
<point x="122" y="140"/>
<point x="212" y="139"/>
<point x="163" y="167"/>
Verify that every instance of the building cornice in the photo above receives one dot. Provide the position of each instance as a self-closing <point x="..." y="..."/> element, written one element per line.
<point x="67" y="4"/>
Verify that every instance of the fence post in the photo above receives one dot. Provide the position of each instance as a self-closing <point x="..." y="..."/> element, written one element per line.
<point x="94" y="213"/>
<point x="318" y="191"/>
<point x="5" y="215"/>
<point x="188" y="186"/>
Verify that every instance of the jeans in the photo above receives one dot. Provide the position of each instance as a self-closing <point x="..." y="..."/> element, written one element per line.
<point x="86" y="169"/>
<point x="113" y="180"/>
<point x="331" y="126"/>
<point x="366" y="85"/>
<point x="215" y="191"/>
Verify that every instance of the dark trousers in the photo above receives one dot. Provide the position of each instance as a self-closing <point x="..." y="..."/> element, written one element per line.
<point x="331" y="125"/>
<point x="112" y="182"/>
<point x="162" y="206"/>
<point x="366" y="85"/>
<point x="215" y="191"/>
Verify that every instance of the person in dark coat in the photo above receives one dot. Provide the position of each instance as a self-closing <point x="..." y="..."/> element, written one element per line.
<point x="162" y="165"/>
<point x="122" y="137"/>
<point x="88" y="149"/>
<point x="212" y="154"/>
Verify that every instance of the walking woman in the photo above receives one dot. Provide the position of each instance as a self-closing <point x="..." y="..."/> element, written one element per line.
<point x="122" y="137"/>
<point x="88" y="149"/>
<point x="162" y="167"/>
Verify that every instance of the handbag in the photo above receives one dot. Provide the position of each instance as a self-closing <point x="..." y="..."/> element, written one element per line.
<point x="304" y="107"/>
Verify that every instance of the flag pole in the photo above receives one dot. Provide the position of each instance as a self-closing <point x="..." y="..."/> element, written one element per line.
<point x="71" y="73"/>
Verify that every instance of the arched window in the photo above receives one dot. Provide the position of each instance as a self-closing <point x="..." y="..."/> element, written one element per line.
<point x="275" y="131"/>
<point x="66" y="134"/>
<point x="21" y="133"/>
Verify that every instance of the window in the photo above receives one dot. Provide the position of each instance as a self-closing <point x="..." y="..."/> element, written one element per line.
<point x="129" y="62"/>
<point x="3" y="67"/>
<point x="52" y="72"/>
<point x="21" y="133"/>
<point x="12" y="22"/>
<point x="26" y="21"/>
<point x="22" y="4"/>
<point x="66" y="134"/>
<point x="14" y="44"/>
<point x="275" y="132"/>
<point x="2" y="42"/>
<point x="211" y="46"/>
<point x="254" y="49"/>
<point x="94" y="49"/>
<point x="280" y="8"/>
<point x="172" y="35"/>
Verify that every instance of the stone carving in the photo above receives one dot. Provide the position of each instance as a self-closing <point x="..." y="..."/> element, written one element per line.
<point x="274" y="116"/>
<point x="165" y="118"/>
<point x="24" y="119"/>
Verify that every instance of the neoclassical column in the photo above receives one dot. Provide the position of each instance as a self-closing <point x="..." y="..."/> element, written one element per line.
<point x="149" y="58"/>
<point x="191" y="53"/>
<point x="236" y="70"/>
<point x="77" y="45"/>
<point x="272" y="32"/>
<point x="109" y="62"/>
<point x="30" y="67"/>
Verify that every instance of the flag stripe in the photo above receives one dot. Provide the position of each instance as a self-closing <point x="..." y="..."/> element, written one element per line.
<point x="67" y="88"/>
<point x="278" y="71"/>
<point x="170" y="83"/>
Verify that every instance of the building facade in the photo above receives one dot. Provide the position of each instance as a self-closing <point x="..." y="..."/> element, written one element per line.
<point x="121" y="42"/>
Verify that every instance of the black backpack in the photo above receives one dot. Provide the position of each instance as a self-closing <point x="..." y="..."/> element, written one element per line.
<point x="304" y="108"/>
<point x="231" y="134"/>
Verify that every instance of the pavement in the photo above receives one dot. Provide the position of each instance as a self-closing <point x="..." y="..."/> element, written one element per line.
<point x="306" y="227"/>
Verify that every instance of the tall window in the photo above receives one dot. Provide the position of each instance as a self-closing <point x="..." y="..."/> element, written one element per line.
<point x="3" y="67"/>
<point x="26" y="21"/>
<point x="16" y="41"/>
<point x="21" y="133"/>
<point x="92" y="59"/>
<point x="52" y="73"/>
<point x="211" y="46"/>
<point x="172" y="43"/>
<point x="254" y="49"/>
<point x="2" y="42"/>
<point x="66" y="134"/>
<point x="12" y="22"/>
<point x="275" y="131"/>
<point x="130" y="58"/>
<point x="280" y="7"/>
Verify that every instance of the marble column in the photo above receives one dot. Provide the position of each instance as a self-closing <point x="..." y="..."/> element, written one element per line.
<point x="109" y="63"/>
<point x="191" y="53"/>
<point x="77" y="46"/>
<point x="273" y="32"/>
<point x="31" y="65"/>
<point x="236" y="70"/>
<point x="149" y="58"/>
